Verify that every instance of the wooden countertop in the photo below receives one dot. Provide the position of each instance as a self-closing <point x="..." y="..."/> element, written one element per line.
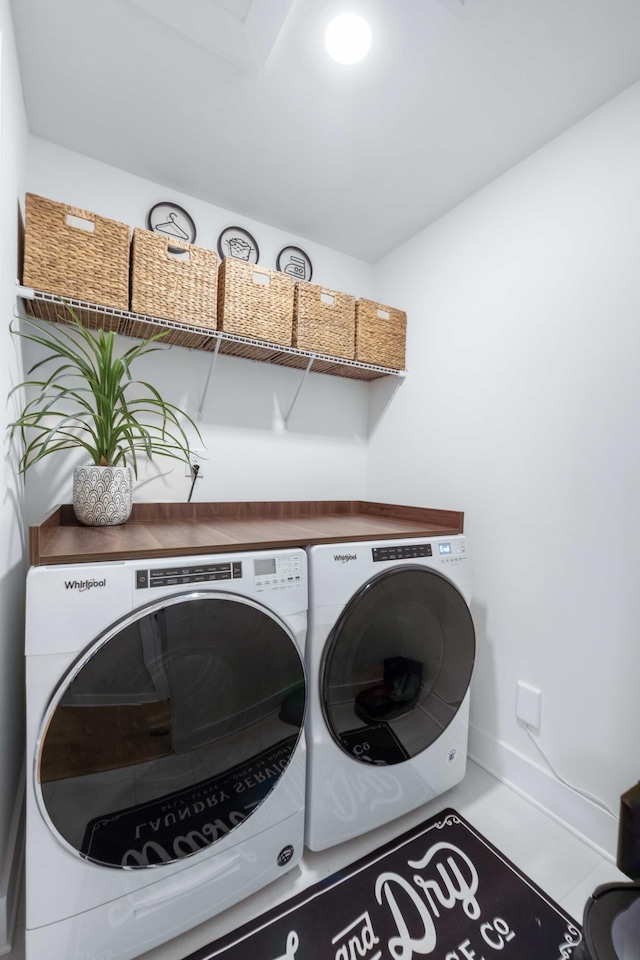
<point x="184" y="529"/>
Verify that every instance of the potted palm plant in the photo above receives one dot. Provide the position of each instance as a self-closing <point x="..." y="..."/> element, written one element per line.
<point x="90" y="401"/>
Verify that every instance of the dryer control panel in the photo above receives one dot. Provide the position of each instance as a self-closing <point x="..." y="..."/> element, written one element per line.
<point x="196" y="573"/>
<point x="447" y="551"/>
<point x="401" y="552"/>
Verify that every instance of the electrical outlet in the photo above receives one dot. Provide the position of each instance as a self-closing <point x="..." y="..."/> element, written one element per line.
<point x="197" y="455"/>
<point x="529" y="704"/>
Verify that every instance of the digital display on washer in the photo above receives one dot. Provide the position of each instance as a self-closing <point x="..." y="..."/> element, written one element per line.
<point x="276" y="573"/>
<point x="444" y="548"/>
<point x="196" y="573"/>
<point x="401" y="552"/>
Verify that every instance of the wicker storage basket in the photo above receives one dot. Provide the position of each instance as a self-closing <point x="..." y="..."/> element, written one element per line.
<point x="76" y="254"/>
<point x="380" y="334"/>
<point x="180" y="285"/>
<point x="255" y="302"/>
<point x="324" y="321"/>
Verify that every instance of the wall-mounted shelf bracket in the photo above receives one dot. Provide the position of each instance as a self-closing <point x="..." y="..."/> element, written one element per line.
<point x="25" y="293"/>
<point x="297" y="393"/>
<point x="208" y="380"/>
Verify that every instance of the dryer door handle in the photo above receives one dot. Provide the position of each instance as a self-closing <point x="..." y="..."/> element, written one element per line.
<point x="186" y="881"/>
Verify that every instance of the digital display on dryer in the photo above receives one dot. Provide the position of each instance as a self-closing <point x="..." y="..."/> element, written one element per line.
<point x="444" y="548"/>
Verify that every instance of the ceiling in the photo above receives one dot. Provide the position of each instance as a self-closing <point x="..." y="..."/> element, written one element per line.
<point x="236" y="102"/>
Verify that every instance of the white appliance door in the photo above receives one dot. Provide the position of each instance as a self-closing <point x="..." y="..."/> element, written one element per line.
<point x="397" y="665"/>
<point x="170" y="729"/>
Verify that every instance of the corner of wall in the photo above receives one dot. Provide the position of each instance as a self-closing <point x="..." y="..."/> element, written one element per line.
<point x="12" y="869"/>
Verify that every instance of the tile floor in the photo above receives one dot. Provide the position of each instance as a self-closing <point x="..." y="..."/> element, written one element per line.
<point x="551" y="855"/>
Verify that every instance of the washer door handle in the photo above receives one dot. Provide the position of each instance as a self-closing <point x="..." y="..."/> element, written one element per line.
<point x="186" y="881"/>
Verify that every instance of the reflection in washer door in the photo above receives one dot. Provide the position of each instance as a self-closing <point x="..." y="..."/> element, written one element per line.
<point x="171" y="729"/>
<point x="397" y="665"/>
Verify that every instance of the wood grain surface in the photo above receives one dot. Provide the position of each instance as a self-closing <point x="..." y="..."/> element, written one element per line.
<point x="184" y="529"/>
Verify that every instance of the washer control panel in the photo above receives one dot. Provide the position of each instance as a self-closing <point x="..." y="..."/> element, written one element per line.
<point x="277" y="573"/>
<point x="196" y="573"/>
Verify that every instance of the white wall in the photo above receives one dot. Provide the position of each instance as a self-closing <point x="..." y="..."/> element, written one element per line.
<point x="522" y="408"/>
<point x="13" y="135"/>
<point x="323" y="453"/>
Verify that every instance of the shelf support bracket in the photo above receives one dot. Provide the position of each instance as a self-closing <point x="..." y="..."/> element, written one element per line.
<point x="209" y="375"/>
<point x="24" y="293"/>
<point x="297" y="393"/>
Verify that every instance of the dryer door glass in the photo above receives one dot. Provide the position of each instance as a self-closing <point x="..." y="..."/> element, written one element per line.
<point x="397" y="665"/>
<point x="171" y="730"/>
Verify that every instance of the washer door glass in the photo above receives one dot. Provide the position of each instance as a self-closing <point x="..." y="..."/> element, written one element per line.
<point x="171" y="730"/>
<point x="397" y="665"/>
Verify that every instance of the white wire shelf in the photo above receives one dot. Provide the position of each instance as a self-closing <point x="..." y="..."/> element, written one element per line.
<point x="47" y="306"/>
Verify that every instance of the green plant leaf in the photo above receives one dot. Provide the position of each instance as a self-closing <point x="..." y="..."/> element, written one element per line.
<point x="91" y="401"/>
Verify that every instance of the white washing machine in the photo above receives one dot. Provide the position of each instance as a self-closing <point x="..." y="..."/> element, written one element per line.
<point x="166" y="762"/>
<point x="390" y="653"/>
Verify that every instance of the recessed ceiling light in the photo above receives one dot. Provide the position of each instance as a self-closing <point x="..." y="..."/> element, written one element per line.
<point x="348" y="38"/>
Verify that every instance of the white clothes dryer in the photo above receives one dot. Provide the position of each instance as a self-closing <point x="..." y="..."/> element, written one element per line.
<point x="166" y="762"/>
<point x="390" y="653"/>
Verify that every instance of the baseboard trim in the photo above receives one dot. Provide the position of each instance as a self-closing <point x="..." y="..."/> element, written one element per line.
<point x="594" y="826"/>
<point x="12" y="868"/>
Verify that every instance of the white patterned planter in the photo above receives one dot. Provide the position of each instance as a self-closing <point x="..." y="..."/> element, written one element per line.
<point x="102" y="496"/>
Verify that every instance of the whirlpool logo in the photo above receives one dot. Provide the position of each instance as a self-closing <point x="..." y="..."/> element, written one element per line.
<point x="344" y="557"/>
<point x="82" y="585"/>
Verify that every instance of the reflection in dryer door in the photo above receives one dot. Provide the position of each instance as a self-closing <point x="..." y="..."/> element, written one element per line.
<point x="397" y="665"/>
<point x="171" y="730"/>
